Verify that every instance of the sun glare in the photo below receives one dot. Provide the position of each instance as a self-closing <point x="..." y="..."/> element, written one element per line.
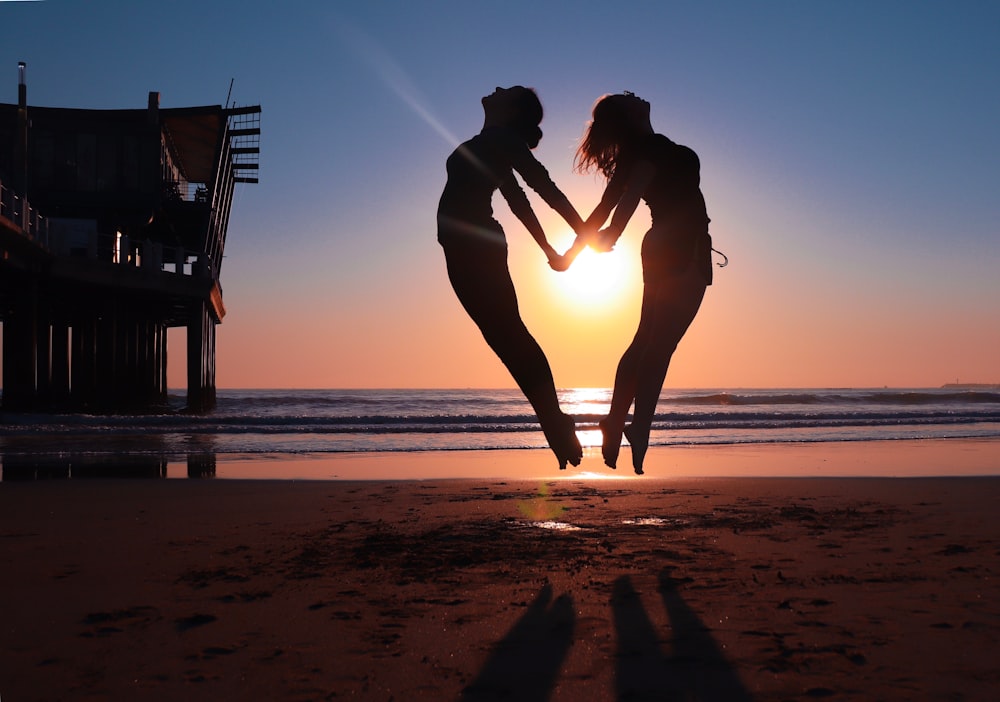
<point x="595" y="278"/>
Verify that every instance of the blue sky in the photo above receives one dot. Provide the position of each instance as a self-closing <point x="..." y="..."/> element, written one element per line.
<point x="849" y="159"/>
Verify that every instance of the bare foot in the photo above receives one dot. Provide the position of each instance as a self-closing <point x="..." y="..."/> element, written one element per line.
<point x="574" y="451"/>
<point x="639" y="444"/>
<point x="611" y="442"/>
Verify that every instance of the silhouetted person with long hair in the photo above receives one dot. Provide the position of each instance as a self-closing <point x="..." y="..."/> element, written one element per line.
<point x="475" y="246"/>
<point x="676" y="252"/>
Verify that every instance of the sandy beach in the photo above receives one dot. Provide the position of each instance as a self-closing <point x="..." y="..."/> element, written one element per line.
<point x="561" y="588"/>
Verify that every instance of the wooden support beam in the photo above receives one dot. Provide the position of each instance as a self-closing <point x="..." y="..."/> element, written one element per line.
<point x="163" y="363"/>
<point x="43" y="358"/>
<point x="107" y="355"/>
<point x="83" y="364"/>
<point x="201" y="359"/>
<point x="60" y="364"/>
<point x="20" y="351"/>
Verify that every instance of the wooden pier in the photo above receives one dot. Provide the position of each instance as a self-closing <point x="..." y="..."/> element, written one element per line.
<point x="112" y="230"/>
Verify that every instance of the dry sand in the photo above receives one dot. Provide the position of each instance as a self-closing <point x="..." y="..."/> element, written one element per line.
<point x="571" y="589"/>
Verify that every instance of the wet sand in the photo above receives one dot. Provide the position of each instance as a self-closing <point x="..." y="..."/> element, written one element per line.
<point x="556" y="588"/>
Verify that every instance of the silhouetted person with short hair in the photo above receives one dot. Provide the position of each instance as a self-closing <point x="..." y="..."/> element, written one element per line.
<point x="475" y="246"/>
<point x="676" y="252"/>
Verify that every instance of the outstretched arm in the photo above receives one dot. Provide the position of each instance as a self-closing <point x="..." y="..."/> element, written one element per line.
<point x="521" y="208"/>
<point x="584" y="234"/>
<point x="537" y="178"/>
<point x="623" y="197"/>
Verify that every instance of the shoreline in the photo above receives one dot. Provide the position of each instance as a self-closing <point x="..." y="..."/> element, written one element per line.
<point x="896" y="458"/>
<point x="899" y="458"/>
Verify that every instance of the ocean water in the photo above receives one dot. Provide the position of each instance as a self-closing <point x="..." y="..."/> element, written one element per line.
<point x="347" y="421"/>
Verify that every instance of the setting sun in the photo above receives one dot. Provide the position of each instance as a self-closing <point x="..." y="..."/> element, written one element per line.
<point x="596" y="278"/>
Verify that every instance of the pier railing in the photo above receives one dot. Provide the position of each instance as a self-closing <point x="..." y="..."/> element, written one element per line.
<point x="153" y="255"/>
<point x="20" y="213"/>
<point x="183" y="191"/>
<point x="122" y="250"/>
<point x="80" y="239"/>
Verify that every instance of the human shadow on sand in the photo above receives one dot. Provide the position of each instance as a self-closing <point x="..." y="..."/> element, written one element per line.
<point x="525" y="664"/>
<point x="694" y="669"/>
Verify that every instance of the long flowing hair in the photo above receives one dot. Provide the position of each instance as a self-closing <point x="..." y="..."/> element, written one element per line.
<point x="607" y="134"/>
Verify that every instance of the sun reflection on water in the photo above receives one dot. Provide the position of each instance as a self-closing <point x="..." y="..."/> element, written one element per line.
<point x="585" y="401"/>
<point x="589" y="438"/>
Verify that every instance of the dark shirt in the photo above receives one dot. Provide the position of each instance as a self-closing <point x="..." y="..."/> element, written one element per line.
<point x="678" y="235"/>
<point x="674" y="194"/>
<point x="480" y="166"/>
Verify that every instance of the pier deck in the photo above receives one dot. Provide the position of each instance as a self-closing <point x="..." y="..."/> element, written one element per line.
<point x="112" y="229"/>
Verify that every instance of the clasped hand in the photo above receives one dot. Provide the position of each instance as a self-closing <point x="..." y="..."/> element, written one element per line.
<point x="560" y="262"/>
<point x="601" y="241"/>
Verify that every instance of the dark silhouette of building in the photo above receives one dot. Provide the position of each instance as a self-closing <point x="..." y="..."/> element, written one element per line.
<point x="112" y="230"/>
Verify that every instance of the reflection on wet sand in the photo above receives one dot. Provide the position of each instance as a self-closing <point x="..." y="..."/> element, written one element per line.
<point x="20" y="459"/>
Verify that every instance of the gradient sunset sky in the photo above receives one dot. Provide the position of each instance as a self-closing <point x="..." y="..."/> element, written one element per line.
<point x="849" y="151"/>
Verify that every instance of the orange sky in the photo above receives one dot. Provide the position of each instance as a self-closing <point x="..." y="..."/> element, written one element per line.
<point x="764" y="323"/>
